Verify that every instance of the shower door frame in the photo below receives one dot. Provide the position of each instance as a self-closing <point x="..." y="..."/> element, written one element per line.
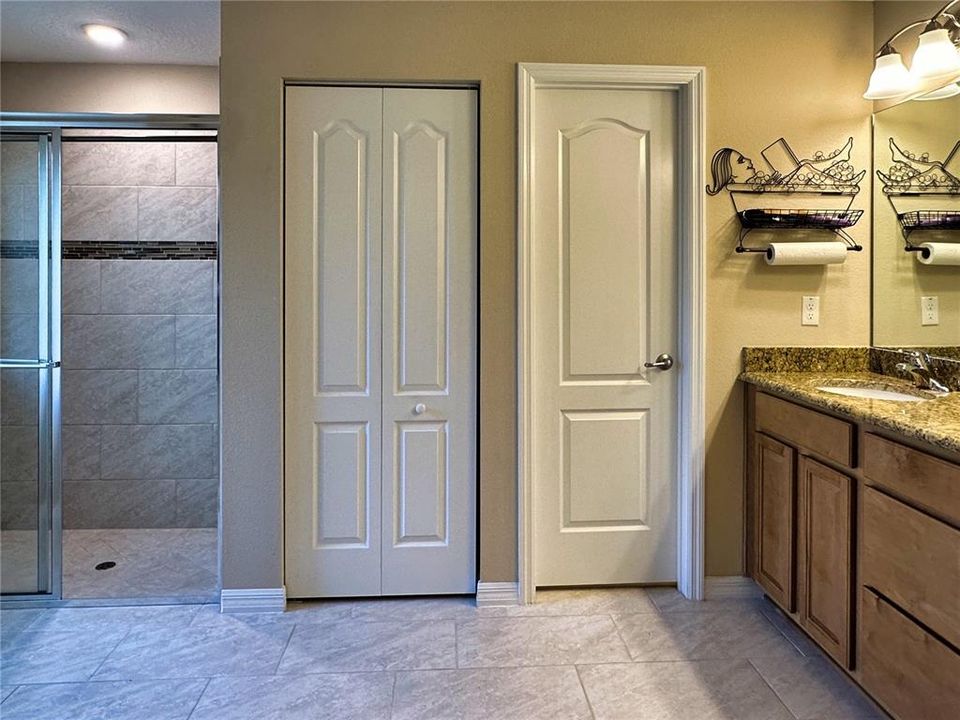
<point x="53" y="124"/>
<point x="47" y="365"/>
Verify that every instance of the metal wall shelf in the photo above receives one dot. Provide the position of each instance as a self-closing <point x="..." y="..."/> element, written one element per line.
<point x="926" y="220"/>
<point x="835" y="221"/>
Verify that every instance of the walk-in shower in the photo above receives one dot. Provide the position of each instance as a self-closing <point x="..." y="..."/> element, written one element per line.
<point x="109" y="399"/>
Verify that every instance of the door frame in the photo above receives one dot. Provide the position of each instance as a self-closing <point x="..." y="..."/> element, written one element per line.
<point x="689" y="84"/>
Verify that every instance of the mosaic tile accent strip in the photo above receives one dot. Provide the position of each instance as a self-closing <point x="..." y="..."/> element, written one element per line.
<point x="139" y="250"/>
<point x="806" y="359"/>
<point x="10" y="249"/>
<point x="116" y="250"/>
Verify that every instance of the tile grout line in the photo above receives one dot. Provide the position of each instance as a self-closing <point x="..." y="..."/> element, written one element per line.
<point x="393" y="695"/>
<point x="772" y="689"/>
<point x="199" y="698"/>
<point x="781" y="632"/>
<point x="456" y="643"/>
<point x="107" y="656"/>
<point x="623" y="642"/>
<point x="293" y="629"/>
<point x="583" y="689"/>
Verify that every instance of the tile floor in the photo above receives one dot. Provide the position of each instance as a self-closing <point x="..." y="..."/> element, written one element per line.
<point x="601" y="654"/>
<point x="167" y="563"/>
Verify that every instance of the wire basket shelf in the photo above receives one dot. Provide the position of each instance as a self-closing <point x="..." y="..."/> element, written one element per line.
<point x="930" y="220"/>
<point x="800" y="219"/>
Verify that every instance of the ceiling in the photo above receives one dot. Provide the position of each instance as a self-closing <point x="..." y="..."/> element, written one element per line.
<point x="169" y="32"/>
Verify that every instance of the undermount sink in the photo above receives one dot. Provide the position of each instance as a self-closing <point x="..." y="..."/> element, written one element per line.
<point x="871" y="393"/>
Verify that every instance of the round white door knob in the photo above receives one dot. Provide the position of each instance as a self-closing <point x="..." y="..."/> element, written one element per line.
<point x="419" y="409"/>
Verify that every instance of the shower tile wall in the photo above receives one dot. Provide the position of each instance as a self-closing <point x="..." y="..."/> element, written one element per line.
<point x="139" y="343"/>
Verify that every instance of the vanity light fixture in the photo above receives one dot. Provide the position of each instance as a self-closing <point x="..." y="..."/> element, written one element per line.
<point x="947" y="91"/>
<point x="105" y="35"/>
<point x="890" y="77"/>
<point x="937" y="57"/>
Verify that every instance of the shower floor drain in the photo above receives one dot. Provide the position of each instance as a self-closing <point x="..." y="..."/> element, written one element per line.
<point x="105" y="565"/>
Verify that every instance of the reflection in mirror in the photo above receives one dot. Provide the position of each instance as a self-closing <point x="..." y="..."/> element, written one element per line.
<point x="916" y="226"/>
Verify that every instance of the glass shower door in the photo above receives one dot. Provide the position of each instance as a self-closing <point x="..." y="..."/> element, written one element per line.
<point x="29" y="364"/>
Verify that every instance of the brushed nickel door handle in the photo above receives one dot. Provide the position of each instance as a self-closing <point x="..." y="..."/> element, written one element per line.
<point x="664" y="361"/>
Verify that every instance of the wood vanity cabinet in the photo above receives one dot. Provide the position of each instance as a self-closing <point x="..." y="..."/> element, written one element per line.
<point x="856" y="536"/>
<point x="803" y="518"/>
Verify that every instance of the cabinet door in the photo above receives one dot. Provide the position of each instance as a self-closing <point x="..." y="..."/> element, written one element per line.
<point x="825" y="539"/>
<point x="775" y="493"/>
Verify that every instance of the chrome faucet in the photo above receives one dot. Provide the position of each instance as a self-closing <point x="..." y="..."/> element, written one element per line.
<point x="919" y="370"/>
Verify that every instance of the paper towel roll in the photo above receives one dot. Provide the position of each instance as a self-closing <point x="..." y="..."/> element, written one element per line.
<point x="939" y="253"/>
<point x="806" y="253"/>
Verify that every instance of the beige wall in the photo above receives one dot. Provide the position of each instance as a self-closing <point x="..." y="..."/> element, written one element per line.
<point x="68" y="88"/>
<point x="899" y="281"/>
<point x="773" y="69"/>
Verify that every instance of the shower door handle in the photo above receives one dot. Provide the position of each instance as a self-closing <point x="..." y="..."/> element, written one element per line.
<point x="29" y="364"/>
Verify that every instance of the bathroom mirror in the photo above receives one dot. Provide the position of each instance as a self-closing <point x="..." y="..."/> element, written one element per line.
<point x="916" y="226"/>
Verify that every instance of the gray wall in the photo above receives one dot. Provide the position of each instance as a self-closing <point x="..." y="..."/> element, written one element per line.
<point x="140" y="398"/>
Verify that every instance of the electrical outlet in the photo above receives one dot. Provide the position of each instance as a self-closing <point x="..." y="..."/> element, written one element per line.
<point x="930" y="310"/>
<point x="810" y="313"/>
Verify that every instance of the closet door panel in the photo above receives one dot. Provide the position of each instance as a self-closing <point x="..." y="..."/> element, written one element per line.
<point x="418" y="240"/>
<point x="429" y="340"/>
<point x="332" y="321"/>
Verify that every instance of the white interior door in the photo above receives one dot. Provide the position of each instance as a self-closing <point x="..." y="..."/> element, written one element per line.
<point x="380" y="341"/>
<point x="604" y="303"/>
<point x="429" y="341"/>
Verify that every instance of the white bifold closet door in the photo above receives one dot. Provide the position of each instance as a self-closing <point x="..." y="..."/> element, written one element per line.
<point x="380" y="341"/>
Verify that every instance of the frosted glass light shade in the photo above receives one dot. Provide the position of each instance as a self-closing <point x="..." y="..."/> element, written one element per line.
<point x="946" y="91"/>
<point x="935" y="57"/>
<point x="890" y="78"/>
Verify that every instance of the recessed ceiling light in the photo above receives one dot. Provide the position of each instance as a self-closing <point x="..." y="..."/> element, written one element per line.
<point x="105" y="35"/>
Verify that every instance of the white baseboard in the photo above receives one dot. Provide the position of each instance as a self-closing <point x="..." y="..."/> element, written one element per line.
<point x="253" y="600"/>
<point x="719" y="587"/>
<point x="497" y="594"/>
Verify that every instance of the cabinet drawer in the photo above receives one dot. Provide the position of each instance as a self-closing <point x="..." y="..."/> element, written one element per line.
<point x="824" y="435"/>
<point x="914" y="475"/>
<point x="909" y="671"/>
<point x="914" y="560"/>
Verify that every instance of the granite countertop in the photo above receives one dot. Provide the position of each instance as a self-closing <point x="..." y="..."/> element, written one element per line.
<point x="935" y="421"/>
